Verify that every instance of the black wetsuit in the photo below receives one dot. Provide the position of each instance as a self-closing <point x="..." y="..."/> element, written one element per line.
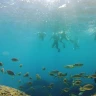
<point x="63" y="36"/>
<point x="55" y="43"/>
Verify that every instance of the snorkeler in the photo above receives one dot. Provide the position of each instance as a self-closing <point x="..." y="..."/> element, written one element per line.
<point x="41" y="35"/>
<point x="94" y="35"/>
<point x="56" y="39"/>
<point x="63" y="36"/>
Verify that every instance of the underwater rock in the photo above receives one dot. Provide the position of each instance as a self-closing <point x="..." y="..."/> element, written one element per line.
<point x="8" y="91"/>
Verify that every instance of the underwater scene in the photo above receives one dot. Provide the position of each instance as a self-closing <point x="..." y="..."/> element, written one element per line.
<point x="47" y="47"/>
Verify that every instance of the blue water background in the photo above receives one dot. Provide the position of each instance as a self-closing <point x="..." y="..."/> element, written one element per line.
<point x="35" y="54"/>
<point x="19" y="39"/>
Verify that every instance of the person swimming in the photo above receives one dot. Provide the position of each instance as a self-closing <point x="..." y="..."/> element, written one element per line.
<point x="41" y="35"/>
<point x="95" y="36"/>
<point x="94" y="33"/>
<point x="56" y="39"/>
<point x="62" y="37"/>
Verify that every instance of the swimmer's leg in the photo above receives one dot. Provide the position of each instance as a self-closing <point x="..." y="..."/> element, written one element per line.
<point x="53" y="45"/>
<point x="63" y="43"/>
<point x="57" y="47"/>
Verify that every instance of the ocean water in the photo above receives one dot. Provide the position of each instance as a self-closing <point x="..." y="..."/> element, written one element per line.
<point x="20" y="22"/>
